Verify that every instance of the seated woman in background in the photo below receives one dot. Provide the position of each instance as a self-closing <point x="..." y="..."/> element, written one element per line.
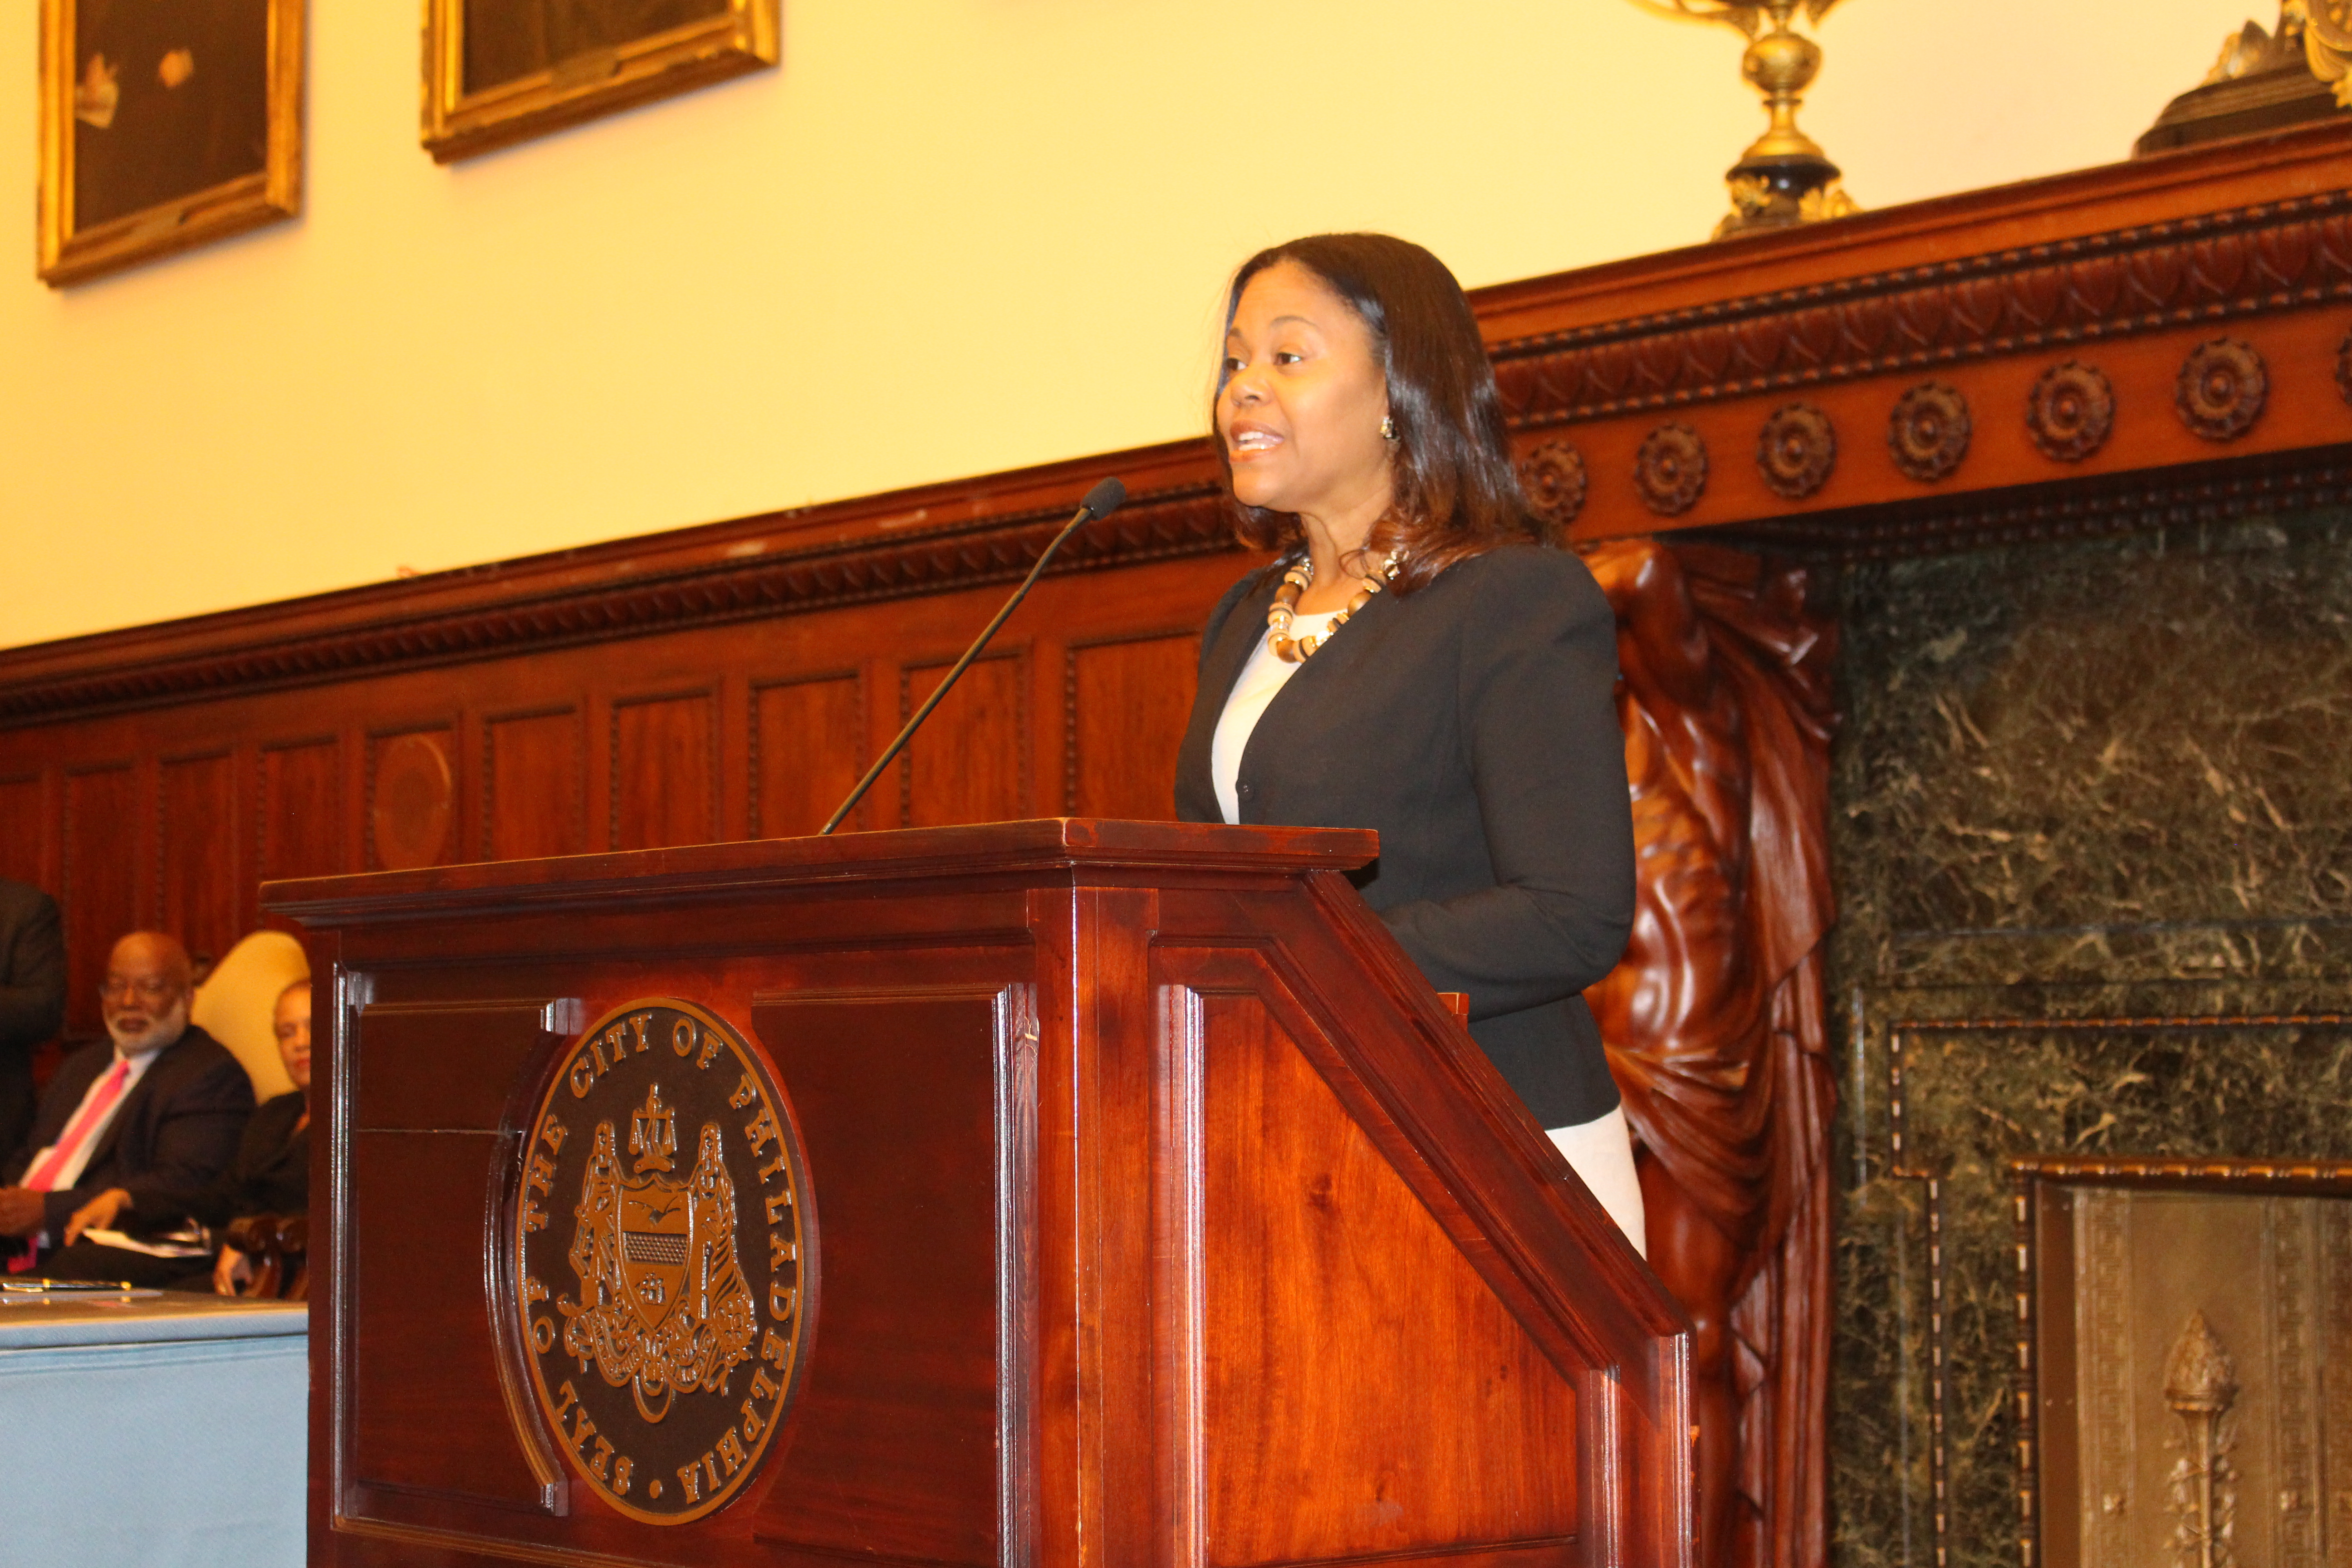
<point x="271" y="1172"/>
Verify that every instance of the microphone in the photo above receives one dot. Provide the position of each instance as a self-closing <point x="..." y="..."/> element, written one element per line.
<point x="1101" y="501"/>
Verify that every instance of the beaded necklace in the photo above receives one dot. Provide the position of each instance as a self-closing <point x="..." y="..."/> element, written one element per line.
<point x="1285" y="608"/>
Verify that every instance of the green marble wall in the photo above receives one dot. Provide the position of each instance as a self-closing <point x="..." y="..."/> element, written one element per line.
<point x="2110" y="779"/>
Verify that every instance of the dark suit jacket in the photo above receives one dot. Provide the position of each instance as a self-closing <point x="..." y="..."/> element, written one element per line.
<point x="178" y="1128"/>
<point x="32" y="996"/>
<point x="1474" y="725"/>
<point x="270" y="1174"/>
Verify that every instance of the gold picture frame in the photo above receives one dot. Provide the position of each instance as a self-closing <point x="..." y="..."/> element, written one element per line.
<point x="498" y="71"/>
<point x="164" y="128"/>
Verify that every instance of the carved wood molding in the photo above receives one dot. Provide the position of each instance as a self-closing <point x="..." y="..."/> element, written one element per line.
<point x="2250" y="261"/>
<point x="1189" y="519"/>
<point x="2075" y="509"/>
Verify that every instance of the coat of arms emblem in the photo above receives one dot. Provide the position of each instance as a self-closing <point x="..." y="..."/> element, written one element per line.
<point x="661" y="1304"/>
<point x="661" y="1244"/>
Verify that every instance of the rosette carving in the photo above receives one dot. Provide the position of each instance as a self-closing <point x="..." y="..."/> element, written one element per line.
<point x="1928" y="432"/>
<point x="1670" y="470"/>
<point x="2071" y="411"/>
<point x="2223" y="388"/>
<point x="1796" y="450"/>
<point x="1553" y="477"/>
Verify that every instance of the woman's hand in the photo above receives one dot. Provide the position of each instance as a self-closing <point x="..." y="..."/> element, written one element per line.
<point x="97" y="1214"/>
<point x="231" y="1271"/>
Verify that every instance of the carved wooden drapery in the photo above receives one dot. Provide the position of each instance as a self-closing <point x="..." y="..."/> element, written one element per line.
<point x="1715" y="1021"/>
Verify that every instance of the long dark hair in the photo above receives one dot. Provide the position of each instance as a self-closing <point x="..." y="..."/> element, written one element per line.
<point x="1456" y="492"/>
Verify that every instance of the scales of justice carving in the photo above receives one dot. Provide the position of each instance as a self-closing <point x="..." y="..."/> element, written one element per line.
<point x="661" y="1332"/>
<point x="1784" y="177"/>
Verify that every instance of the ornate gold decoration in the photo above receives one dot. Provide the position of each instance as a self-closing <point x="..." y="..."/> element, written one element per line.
<point x="2327" y="42"/>
<point x="2071" y="411"/>
<point x="1553" y="477"/>
<point x="1795" y="450"/>
<point x="637" y="1359"/>
<point x="82" y="236"/>
<point x="463" y="117"/>
<point x="2199" y="1385"/>
<point x="1927" y="434"/>
<point x="2262" y="81"/>
<point x="1670" y="470"/>
<point x="1784" y="177"/>
<point x="2221" y="389"/>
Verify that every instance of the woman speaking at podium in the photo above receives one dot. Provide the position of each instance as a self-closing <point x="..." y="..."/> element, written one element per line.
<point x="1416" y="663"/>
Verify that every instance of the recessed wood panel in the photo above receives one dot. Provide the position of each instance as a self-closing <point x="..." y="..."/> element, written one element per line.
<point x="808" y="748"/>
<point x="196" y="850"/>
<point x="1334" y="1310"/>
<point x="302" y="815"/>
<point x="894" y="1453"/>
<point x="532" y="803"/>
<point x="443" y="1066"/>
<point x="24" y="829"/>
<point x="100" y="897"/>
<point x="1127" y="705"/>
<point x="420" y="1310"/>
<point x="969" y="761"/>
<point x="665" y="771"/>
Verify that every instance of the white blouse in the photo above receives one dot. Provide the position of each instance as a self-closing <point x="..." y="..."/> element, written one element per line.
<point x="1260" y="679"/>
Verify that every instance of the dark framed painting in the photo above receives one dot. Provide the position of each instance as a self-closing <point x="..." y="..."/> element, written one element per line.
<point x="165" y="126"/>
<point x="496" y="71"/>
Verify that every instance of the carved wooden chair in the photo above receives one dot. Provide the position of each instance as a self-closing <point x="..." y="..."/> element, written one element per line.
<point x="280" y="1246"/>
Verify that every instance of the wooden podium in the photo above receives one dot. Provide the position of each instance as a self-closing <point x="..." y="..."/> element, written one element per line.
<point x="1081" y="1194"/>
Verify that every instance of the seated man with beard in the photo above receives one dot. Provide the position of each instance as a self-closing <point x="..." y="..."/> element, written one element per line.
<point x="161" y="1104"/>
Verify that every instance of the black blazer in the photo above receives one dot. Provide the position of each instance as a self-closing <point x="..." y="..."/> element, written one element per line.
<point x="1474" y="725"/>
<point x="32" y="996"/>
<point x="270" y="1174"/>
<point x="178" y="1128"/>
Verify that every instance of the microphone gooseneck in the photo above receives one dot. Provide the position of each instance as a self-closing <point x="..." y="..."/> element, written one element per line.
<point x="1101" y="501"/>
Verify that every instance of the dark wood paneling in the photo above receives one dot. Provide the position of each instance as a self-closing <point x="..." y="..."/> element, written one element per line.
<point x="1317" y="1262"/>
<point x="413" y="1289"/>
<point x="100" y="897"/>
<point x="665" y="771"/>
<point x="895" y="1453"/>
<point x="443" y="1066"/>
<point x="1126" y="704"/>
<point x="532" y="773"/>
<point x="808" y="748"/>
<point x="301" y="814"/>
<point x="201" y="896"/>
<point x="24" y="829"/>
<point x="969" y="761"/>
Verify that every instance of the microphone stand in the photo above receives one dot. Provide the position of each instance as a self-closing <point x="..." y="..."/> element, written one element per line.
<point x="1101" y="501"/>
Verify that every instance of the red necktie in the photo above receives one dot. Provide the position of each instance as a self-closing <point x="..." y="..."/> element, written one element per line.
<point x="92" y="1116"/>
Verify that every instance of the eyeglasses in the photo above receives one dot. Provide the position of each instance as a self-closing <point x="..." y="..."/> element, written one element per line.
<point x="116" y="989"/>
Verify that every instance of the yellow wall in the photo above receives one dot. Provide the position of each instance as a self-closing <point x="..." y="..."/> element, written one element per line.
<point x="946" y="237"/>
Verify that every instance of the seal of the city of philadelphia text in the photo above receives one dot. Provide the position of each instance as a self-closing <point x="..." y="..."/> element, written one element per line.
<point x="665" y="1258"/>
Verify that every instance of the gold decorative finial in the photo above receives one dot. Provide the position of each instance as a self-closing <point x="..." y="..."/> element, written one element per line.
<point x="1784" y="177"/>
<point x="2201" y="1386"/>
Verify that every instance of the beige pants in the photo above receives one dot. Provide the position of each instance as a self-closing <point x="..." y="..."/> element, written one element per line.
<point x="1601" y="1151"/>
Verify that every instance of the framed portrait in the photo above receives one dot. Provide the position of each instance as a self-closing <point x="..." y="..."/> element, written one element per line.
<point x="165" y="126"/>
<point x="496" y="71"/>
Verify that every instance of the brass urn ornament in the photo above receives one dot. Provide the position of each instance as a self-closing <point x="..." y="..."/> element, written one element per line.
<point x="1784" y="178"/>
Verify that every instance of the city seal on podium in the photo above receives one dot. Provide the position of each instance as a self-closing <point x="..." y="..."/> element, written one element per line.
<point x="664" y="1259"/>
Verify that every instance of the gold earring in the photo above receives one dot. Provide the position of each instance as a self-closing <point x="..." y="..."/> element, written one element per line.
<point x="1388" y="427"/>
